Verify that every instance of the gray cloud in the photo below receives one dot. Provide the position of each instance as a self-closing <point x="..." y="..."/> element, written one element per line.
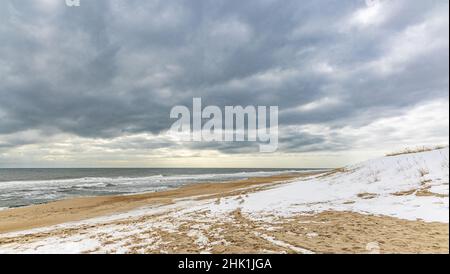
<point x="112" y="68"/>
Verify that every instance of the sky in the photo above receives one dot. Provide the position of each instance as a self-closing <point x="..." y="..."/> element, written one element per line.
<point x="93" y="86"/>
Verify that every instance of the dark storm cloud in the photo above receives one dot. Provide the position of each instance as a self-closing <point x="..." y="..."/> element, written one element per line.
<point x="114" y="67"/>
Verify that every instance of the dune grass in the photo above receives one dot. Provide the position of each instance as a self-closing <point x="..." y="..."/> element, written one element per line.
<point x="416" y="150"/>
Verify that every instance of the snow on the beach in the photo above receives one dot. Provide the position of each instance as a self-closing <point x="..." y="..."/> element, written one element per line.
<point x="372" y="187"/>
<point x="411" y="186"/>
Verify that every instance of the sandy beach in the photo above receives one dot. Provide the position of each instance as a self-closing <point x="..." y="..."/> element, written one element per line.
<point x="346" y="210"/>
<point x="224" y="127"/>
<point x="84" y="208"/>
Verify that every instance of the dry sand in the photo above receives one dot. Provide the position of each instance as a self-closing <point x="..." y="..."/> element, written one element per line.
<point x="326" y="232"/>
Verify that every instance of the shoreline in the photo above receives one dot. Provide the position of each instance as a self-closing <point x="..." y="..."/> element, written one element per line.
<point x="83" y="208"/>
<point x="385" y="205"/>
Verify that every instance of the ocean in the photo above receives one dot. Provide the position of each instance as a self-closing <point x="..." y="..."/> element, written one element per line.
<point x="24" y="187"/>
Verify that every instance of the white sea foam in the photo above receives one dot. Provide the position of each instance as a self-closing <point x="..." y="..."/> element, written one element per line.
<point x="19" y="193"/>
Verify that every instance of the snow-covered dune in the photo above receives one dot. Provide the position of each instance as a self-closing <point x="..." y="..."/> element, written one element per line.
<point x="410" y="186"/>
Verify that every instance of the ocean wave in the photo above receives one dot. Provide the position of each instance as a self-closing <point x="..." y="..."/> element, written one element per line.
<point x="77" y="181"/>
<point x="115" y="181"/>
<point x="14" y="193"/>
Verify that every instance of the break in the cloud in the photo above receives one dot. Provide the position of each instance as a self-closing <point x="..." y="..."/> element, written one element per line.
<point x="93" y="85"/>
